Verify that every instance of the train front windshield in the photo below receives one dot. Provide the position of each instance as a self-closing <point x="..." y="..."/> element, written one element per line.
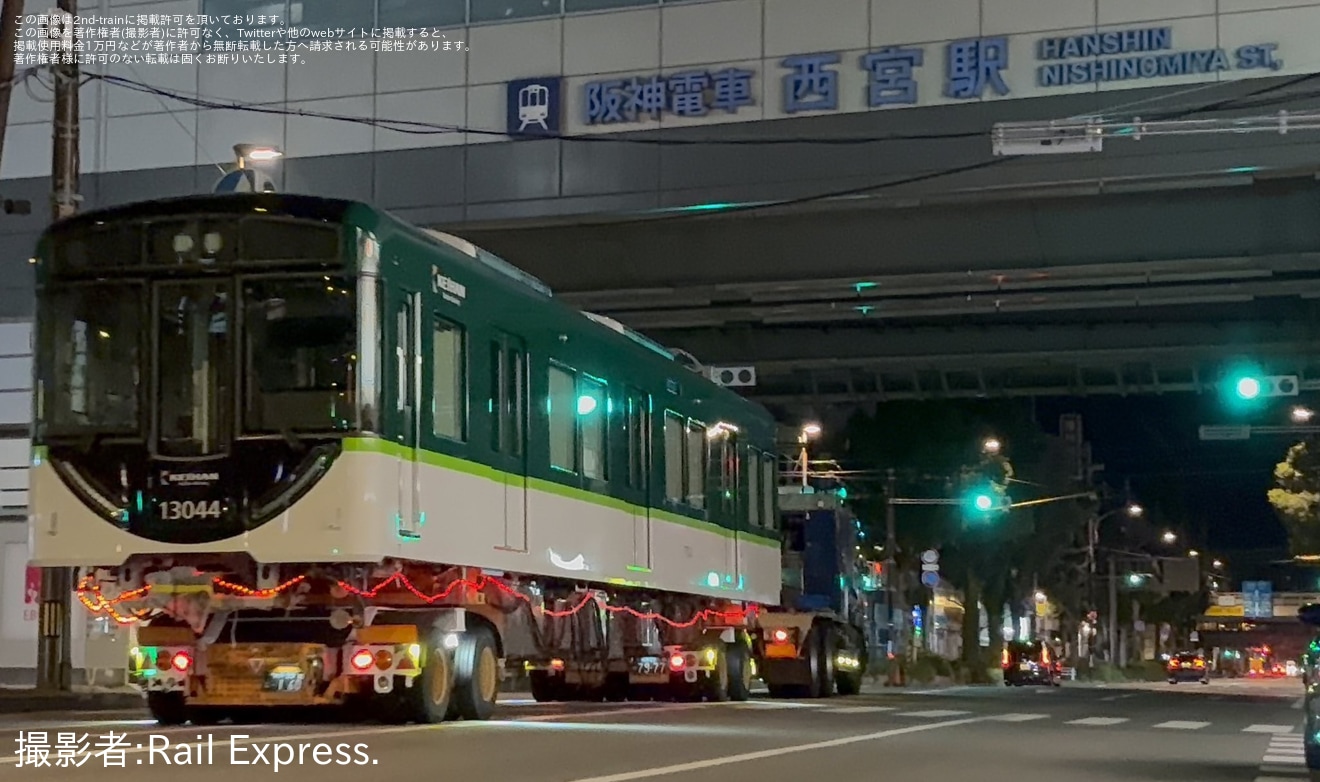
<point x="210" y="339"/>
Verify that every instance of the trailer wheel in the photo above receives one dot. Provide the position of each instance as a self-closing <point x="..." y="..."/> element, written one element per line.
<point x="717" y="684"/>
<point x="430" y="694"/>
<point x="829" y="650"/>
<point x="737" y="659"/>
<point x="167" y="708"/>
<point x="477" y="670"/>
<point x="545" y="687"/>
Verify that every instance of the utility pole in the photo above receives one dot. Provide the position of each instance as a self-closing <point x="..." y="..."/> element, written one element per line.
<point x="1113" y="611"/>
<point x="54" y="650"/>
<point x="11" y="10"/>
<point x="891" y="578"/>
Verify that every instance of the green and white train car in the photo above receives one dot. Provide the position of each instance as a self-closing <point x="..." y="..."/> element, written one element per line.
<point x="260" y="406"/>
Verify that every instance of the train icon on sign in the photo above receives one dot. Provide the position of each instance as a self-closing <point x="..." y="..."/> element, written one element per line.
<point x="534" y="107"/>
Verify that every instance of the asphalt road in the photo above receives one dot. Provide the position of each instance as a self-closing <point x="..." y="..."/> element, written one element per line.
<point x="1227" y="731"/>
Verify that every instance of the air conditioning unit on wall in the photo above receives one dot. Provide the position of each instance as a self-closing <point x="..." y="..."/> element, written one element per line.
<point x="733" y="377"/>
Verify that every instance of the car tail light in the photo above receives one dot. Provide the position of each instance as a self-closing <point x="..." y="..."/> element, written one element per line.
<point x="676" y="662"/>
<point x="181" y="661"/>
<point x="1199" y="663"/>
<point x="556" y="665"/>
<point x="1003" y="658"/>
<point x="362" y="660"/>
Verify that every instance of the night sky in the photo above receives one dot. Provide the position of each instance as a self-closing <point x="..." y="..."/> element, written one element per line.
<point x="1215" y="490"/>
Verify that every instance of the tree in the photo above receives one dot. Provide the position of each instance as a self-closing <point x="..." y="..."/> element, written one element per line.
<point x="1296" y="498"/>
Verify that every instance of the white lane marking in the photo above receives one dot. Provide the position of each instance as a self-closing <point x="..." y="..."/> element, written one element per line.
<point x="745" y="757"/>
<point x="272" y="738"/>
<point x="1182" y="725"/>
<point x="1119" y="697"/>
<point x="1294" y="760"/>
<point x="769" y="705"/>
<point x="932" y="713"/>
<point x="1268" y="729"/>
<point x="1098" y="721"/>
<point x="857" y="709"/>
<point x="1018" y="717"/>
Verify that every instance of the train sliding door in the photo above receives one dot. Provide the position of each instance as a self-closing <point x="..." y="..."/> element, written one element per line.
<point x="406" y="411"/>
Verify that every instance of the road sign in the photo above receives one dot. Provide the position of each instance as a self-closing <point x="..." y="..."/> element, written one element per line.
<point x="1257" y="599"/>
<point x="1229" y="432"/>
<point x="930" y="556"/>
<point x="930" y="578"/>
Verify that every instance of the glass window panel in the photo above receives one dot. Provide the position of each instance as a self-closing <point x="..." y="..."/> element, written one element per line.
<point x="194" y="368"/>
<point x="754" y="489"/>
<point x="499" y="10"/>
<point x="769" y="486"/>
<point x="696" y="465"/>
<point x="673" y="458"/>
<point x="593" y="416"/>
<point x="574" y="6"/>
<point x="276" y="13"/>
<point x="322" y="15"/>
<point x="416" y="14"/>
<point x="563" y="419"/>
<point x="449" y="392"/>
<point x="90" y="358"/>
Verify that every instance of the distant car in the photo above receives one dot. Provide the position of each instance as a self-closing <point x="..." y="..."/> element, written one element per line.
<point x="1029" y="662"/>
<point x="1188" y="667"/>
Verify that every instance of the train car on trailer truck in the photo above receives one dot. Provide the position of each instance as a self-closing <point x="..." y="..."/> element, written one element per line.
<point x="317" y="456"/>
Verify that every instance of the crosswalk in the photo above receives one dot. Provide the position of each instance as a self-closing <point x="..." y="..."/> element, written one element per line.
<point x="1284" y="761"/>
<point x="1281" y="733"/>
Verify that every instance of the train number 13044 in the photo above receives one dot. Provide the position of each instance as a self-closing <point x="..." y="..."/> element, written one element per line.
<point x="173" y="510"/>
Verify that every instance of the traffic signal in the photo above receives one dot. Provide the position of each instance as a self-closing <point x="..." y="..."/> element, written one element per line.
<point x="983" y="502"/>
<point x="1251" y="386"/>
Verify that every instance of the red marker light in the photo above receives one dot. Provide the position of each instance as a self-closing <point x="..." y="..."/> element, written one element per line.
<point x="781" y="636"/>
<point x="363" y="660"/>
<point x="676" y="662"/>
<point x="181" y="661"/>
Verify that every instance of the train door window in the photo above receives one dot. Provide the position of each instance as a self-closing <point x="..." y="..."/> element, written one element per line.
<point x="515" y="373"/>
<point x="753" y="487"/>
<point x="769" y="486"/>
<point x="563" y="419"/>
<point x="592" y="419"/>
<point x="637" y="426"/>
<point x="674" y="439"/>
<point x="696" y="465"/>
<point x="448" y="381"/>
<point x="724" y="449"/>
<point x="497" y="401"/>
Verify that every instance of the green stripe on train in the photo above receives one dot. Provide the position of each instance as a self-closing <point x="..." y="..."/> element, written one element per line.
<point x="445" y="461"/>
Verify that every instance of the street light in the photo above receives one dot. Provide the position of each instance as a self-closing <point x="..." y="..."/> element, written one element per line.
<point x="991" y="445"/>
<point x="1302" y="414"/>
<point x="1170" y="537"/>
<point x="254" y="153"/>
<point x="809" y="431"/>
<point x="1134" y="510"/>
<point x="1216" y="564"/>
<point x="1193" y="553"/>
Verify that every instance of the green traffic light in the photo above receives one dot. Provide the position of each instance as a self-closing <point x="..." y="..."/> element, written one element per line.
<point x="983" y="502"/>
<point x="1247" y="388"/>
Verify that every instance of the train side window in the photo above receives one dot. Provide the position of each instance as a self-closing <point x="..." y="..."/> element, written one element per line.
<point x="769" y="487"/>
<point x="449" y="381"/>
<point x="592" y="418"/>
<point x="563" y="419"/>
<point x="497" y="402"/>
<point x="673" y="458"/>
<point x="696" y="465"/>
<point x="754" y="501"/>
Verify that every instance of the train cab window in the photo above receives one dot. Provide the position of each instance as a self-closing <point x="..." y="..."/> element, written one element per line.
<point x="696" y="465"/>
<point x="673" y="458"/>
<point x="592" y="418"/>
<point x="562" y="407"/>
<point x="448" y="381"/>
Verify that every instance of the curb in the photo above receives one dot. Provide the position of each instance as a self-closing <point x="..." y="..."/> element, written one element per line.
<point x="35" y="702"/>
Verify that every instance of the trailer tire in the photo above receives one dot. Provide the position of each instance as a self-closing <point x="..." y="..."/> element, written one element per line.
<point x="477" y="674"/>
<point x="737" y="659"/>
<point x="431" y="693"/>
<point x="825" y="669"/>
<point x="546" y="688"/>
<point x="168" y="708"/>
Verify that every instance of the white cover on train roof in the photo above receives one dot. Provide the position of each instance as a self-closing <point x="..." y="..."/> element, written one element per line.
<point x="493" y="261"/>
